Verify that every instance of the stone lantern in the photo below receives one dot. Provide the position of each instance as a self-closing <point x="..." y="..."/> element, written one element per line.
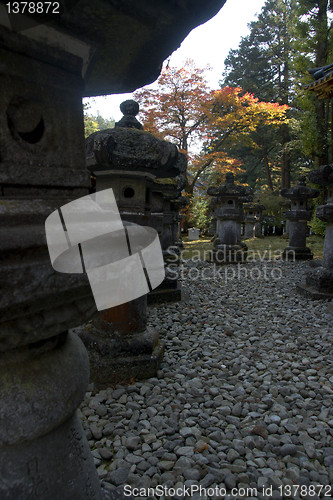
<point x="252" y="219"/>
<point x="229" y="215"/>
<point x="166" y="204"/>
<point x="94" y="49"/>
<point x="298" y="215"/>
<point x="249" y="221"/>
<point x="180" y="203"/>
<point x="128" y="160"/>
<point x="212" y="228"/>
<point x="259" y="208"/>
<point x="319" y="281"/>
<point x="285" y="208"/>
<point x="44" y="370"/>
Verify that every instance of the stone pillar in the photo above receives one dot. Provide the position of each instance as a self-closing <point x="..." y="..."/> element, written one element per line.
<point x="228" y="247"/>
<point x="129" y="160"/>
<point x="298" y="215"/>
<point x="44" y="370"/>
<point x="319" y="281"/>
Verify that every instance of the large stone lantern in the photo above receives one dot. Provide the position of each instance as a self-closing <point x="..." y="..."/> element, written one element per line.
<point x="44" y="370"/>
<point x="298" y="215"/>
<point x="129" y="160"/>
<point x="319" y="281"/>
<point x="229" y="215"/>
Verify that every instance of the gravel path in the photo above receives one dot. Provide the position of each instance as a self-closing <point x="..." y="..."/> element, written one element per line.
<point x="243" y="398"/>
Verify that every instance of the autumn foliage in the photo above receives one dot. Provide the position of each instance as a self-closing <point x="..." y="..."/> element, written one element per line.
<point x="203" y="122"/>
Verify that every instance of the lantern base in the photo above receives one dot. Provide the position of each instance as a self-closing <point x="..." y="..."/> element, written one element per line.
<point x="121" y="359"/>
<point x="313" y="294"/>
<point x="318" y="284"/>
<point x="168" y="291"/>
<point x="297" y="253"/>
<point x="229" y="254"/>
<point x="43" y="449"/>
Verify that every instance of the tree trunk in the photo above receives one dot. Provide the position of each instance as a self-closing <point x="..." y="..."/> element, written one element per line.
<point x="321" y="60"/>
<point x="331" y="125"/>
<point x="285" y="88"/>
<point x="267" y="170"/>
<point x="285" y="158"/>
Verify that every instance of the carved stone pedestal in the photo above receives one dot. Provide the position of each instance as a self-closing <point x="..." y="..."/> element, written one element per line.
<point x="44" y="453"/>
<point x="297" y="249"/>
<point x="121" y="347"/>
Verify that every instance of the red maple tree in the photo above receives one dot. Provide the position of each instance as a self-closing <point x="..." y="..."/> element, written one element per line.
<point x="202" y="122"/>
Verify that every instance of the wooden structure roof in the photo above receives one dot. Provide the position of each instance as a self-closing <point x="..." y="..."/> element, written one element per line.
<point x="323" y="84"/>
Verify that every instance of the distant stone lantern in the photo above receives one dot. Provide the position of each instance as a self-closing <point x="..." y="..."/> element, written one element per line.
<point x="285" y="208"/>
<point x="129" y="160"/>
<point x="249" y="221"/>
<point x="252" y="219"/>
<point x="211" y="215"/>
<point x="319" y="281"/>
<point x="166" y="203"/>
<point x="298" y="215"/>
<point x="259" y="208"/>
<point x="229" y="214"/>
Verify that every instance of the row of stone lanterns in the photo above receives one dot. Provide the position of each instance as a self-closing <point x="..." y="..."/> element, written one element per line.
<point x="147" y="177"/>
<point x="228" y="209"/>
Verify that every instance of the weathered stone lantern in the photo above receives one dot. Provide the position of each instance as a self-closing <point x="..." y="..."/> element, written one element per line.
<point x="319" y="281"/>
<point x="128" y="160"/>
<point x="250" y="220"/>
<point x="212" y="229"/>
<point x="44" y="370"/>
<point x="166" y="203"/>
<point x="43" y="72"/>
<point x="259" y="208"/>
<point x="298" y="215"/>
<point x="285" y="208"/>
<point x="180" y="203"/>
<point x="229" y="215"/>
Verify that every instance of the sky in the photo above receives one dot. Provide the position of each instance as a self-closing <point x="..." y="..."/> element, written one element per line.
<point x="209" y="43"/>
